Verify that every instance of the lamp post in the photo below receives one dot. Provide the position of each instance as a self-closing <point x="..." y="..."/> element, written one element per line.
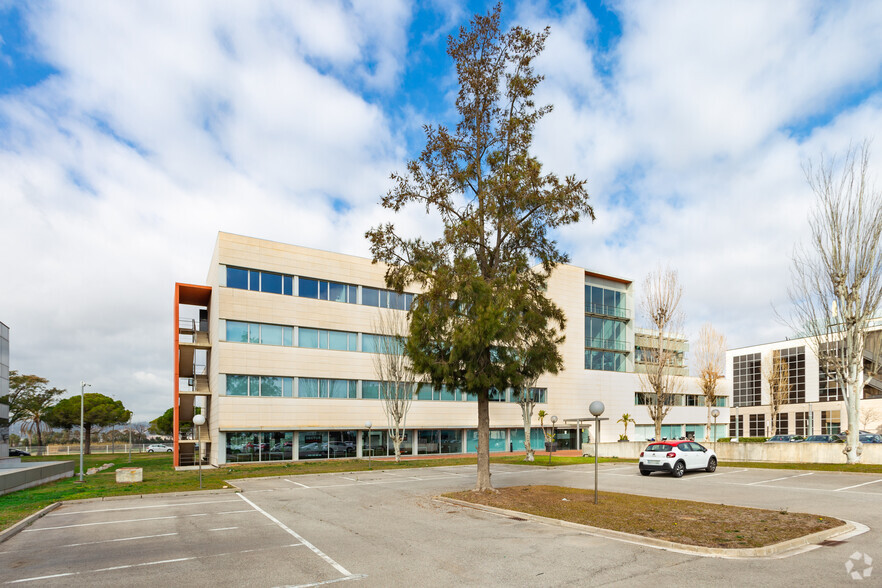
<point x="82" y="421"/>
<point x="596" y="409"/>
<point x="199" y="420"/>
<point x="811" y="420"/>
<point x="130" y="438"/>
<point x="737" y="425"/>
<point x="553" y="438"/>
<point x="715" y="413"/>
<point x="368" y="425"/>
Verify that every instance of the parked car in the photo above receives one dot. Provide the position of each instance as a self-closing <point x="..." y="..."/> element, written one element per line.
<point x="822" y="439"/>
<point x="865" y="437"/>
<point x="159" y="448"/>
<point x="676" y="458"/>
<point x="13" y="452"/>
<point x="785" y="439"/>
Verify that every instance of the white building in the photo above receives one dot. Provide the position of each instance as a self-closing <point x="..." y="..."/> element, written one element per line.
<point x="277" y="349"/>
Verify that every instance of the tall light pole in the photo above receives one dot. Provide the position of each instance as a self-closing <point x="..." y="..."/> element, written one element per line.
<point x="715" y="413"/>
<point x="369" y="424"/>
<point x="199" y="420"/>
<point x="130" y="437"/>
<point x="553" y="438"/>
<point x="82" y="420"/>
<point x="596" y="409"/>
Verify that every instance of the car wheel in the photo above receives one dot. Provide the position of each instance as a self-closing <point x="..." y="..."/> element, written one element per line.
<point x="149" y="451"/>
<point x="711" y="464"/>
<point x="645" y="472"/>
<point x="168" y="450"/>
<point x="679" y="469"/>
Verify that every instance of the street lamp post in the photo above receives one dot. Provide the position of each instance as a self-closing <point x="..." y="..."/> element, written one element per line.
<point x="368" y="425"/>
<point x="82" y="421"/>
<point x="130" y="438"/>
<point x="715" y="413"/>
<point x="199" y="420"/>
<point x="596" y="409"/>
<point x="553" y="438"/>
<point x="737" y="425"/>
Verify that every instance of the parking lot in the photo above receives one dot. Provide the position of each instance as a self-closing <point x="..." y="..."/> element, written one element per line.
<point x="383" y="528"/>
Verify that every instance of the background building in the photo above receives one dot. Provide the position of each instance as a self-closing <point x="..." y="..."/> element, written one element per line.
<point x="4" y="390"/>
<point x="277" y="351"/>
<point x="814" y="403"/>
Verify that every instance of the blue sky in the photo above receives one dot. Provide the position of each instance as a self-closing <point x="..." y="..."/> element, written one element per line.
<point x="130" y="133"/>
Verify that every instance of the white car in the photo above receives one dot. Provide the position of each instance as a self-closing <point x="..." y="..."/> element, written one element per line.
<point x="676" y="458"/>
<point x="158" y="448"/>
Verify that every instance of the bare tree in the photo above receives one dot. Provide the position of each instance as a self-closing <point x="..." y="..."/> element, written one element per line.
<point x="868" y="416"/>
<point x="660" y="305"/>
<point x="837" y="278"/>
<point x="776" y="373"/>
<point x="398" y="383"/>
<point x="710" y="361"/>
<point x="527" y="401"/>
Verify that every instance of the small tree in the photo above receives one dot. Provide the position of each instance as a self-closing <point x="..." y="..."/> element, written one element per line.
<point x="837" y="279"/>
<point x="626" y="418"/>
<point x="98" y="411"/>
<point x="527" y="402"/>
<point x="660" y="305"/>
<point x="710" y="361"/>
<point x="870" y="415"/>
<point x="776" y="372"/>
<point x="398" y="382"/>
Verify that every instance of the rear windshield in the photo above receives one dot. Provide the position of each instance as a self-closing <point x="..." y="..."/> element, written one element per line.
<point x="658" y="447"/>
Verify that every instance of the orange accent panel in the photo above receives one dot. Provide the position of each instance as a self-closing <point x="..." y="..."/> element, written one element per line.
<point x="610" y="278"/>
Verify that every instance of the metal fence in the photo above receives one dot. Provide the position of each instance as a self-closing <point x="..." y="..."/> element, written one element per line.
<point x="74" y="449"/>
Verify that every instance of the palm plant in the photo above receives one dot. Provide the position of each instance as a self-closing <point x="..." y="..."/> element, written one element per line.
<point x="626" y="418"/>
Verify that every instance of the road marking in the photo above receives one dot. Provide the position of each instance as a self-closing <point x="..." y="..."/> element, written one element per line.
<point x="224" y="529"/>
<point x="350" y="479"/>
<point x="858" y="485"/>
<point x="721" y="474"/>
<point x="312" y="547"/>
<point x="61" y="514"/>
<point x="148" y="563"/>
<point x="42" y="578"/>
<point x="297" y="483"/>
<point x="346" y="579"/>
<point x="202" y="514"/>
<point x="778" y="479"/>
<point x="123" y="539"/>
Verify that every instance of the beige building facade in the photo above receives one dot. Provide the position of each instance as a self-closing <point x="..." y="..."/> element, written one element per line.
<point x="277" y="350"/>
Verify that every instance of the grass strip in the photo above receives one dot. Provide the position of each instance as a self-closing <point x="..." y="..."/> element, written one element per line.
<point x="681" y="521"/>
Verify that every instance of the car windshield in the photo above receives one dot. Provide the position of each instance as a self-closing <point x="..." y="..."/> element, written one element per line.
<point x="658" y="447"/>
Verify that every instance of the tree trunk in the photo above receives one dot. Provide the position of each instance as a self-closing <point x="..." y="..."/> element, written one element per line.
<point x="852" y="407"/>
<point x="87" y="439"/>
<point x="483" y="481"/>
<point x="707" y="430"/>
<point x="396" y="443"/>
<point x="527" y="413"/>
<point x="39" y="433"/>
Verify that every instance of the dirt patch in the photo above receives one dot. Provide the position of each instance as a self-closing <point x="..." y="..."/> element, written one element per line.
<point x="681" y="521"/>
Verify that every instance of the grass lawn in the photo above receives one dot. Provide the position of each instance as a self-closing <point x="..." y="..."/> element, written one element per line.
<point x="856" y="468"/>
<point x="681" y="521"/>
<point x="159" y="476"/>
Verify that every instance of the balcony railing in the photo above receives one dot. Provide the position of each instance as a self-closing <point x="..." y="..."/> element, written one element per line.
<point x="607" y="344"/>
<point x="603" y="310"/>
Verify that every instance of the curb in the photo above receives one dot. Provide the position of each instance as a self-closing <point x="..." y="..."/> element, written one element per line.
<point x="232" y="488"/>
<point x="720" y="552"/>
<point x="27" y="522"/>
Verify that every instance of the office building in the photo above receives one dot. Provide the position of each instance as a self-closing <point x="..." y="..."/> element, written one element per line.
<point x="277" y="346"/>
<point x="4" y="390"/>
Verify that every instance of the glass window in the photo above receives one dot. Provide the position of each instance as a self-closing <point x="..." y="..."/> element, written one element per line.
<point x="308" y="338"/>
<point x="337" y="292"/>
<point x="254" y="282"/>
<point x="323" y="290"/>
<point x="271" y="283"/>
<point x="338" y="340"/>
<point x="308" y="388"/>
<point x="428" y="442"/>
<point x="425" y="392"/>
<point x="287" y="336"/>
<point x="370" y="389"/>
<point x="396" y="301"/>
<point x="237" y="278"/>
<point x="271" y="334"/>
<point x="270" y="386"/>
<point x="342" y="443"/>
<point x="339" y="389"/>
<point x="253" y="386"/>
<point x="369" y="343"/>
<point x="288" y="390"/>
<point x="237" y="331"/>
<point x="313" y="445"/>
<point x="448" y="394"/>
<point x="352" y="297"/>
<point x="237" y="385"/>
<point x="370" y="296"/>
<point x="288" y="285"/>
<point x="253" y="333"/>
<point x="384" y="299"/>
<point x="451" y="441"/>
<point x="307" y="288"/>
<point x="408" y="301"/>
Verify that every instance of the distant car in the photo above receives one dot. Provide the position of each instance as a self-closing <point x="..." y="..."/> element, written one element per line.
<point x="18" y="453"/>
<point x="159" y="448"/>
<point x="865" y="437"/>
<point x="785" y="439"/>
<point x="822" y="439"/>
<point x="676" y="458"/>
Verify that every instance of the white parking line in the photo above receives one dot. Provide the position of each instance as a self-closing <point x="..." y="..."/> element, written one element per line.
<point x="858" y="485"/>
<point x="224" y="529"/>
<point x="721" y="474"/>
<point x="778" y="479"/>
<point x="312" y="547"/>
<point x="297" y="483"/>
<point x="350" y="479"/>
<point x="201" y="514"/>
<point x="123" y="539"/>
<point x="61" y="514"/>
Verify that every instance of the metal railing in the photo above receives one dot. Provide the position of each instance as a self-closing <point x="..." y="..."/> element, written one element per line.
<point x="101" y="448"/>
<point x="604" y="310"/>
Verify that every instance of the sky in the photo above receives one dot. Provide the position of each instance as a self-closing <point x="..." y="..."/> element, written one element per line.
<point x="132" y="132"/>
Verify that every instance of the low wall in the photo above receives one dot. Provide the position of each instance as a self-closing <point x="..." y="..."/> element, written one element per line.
<point x="770" y="452"/>
<point x="34" y="474"/>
